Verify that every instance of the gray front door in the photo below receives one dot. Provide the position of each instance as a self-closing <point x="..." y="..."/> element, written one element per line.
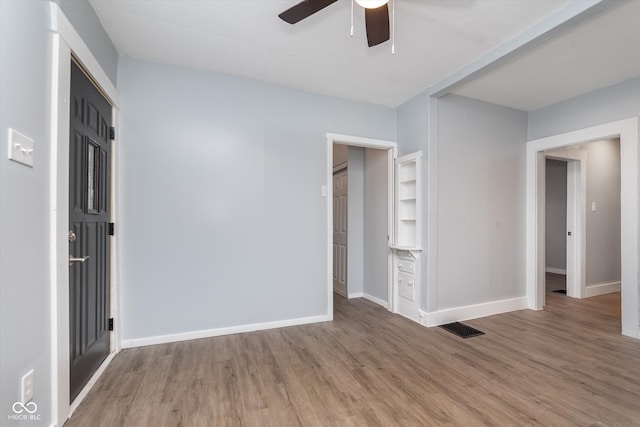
<point x="89" y="197"/>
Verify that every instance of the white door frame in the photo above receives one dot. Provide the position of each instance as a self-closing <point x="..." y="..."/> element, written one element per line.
<point x="356" y="141"/>
<point x="627" y="131"/>
<point x="576" y="218"/>
<point x="65" y="41"/>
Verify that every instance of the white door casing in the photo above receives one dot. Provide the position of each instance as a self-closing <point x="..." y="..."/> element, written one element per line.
<point x="340" y="224"/>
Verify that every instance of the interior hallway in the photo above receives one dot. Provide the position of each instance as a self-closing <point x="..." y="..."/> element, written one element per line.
<point x="370" y="367"/>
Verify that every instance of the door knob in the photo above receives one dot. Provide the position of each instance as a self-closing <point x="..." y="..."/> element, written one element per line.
<point x="73" y="259"/>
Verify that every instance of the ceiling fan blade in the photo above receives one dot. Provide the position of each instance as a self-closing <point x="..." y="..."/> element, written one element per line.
<point x="304" y="9"/>
<point x="377" y="21"/>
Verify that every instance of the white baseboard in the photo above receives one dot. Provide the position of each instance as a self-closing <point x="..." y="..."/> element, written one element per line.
<point x="375" y="299"/>
<point x="356" y="295"/>
<point x="556" y="270"/>
<point x="208" y="333"/>
<point x="459" y="314"/>
<point x="601" y="289"/>
<point x="409" y="309"/>
<point x="418" y="318"/>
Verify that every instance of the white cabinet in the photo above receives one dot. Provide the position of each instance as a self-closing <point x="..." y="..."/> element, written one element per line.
<point x="407" y="245"/>
<point x="406" y="265"/>
<point x="406" y="279"/>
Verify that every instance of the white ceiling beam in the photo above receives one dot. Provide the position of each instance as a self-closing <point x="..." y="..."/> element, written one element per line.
<point x="563" y="20"/>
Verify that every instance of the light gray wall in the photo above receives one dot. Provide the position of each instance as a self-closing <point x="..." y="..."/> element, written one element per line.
<point x="603" y="226"/>
<point x="84" y="19"/>
<point x="223" y="222"/>
<point x="556" y="214"/>
<point x="376" y="246"/>
<point x="481" y="209"/>
<point x="413" y="127"/>
<point x="355" y="236"/>
<point x="25" y="293"/>
<point x="615" y="102"/>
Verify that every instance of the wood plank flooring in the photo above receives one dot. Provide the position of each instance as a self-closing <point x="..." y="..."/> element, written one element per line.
<point x="567" y="365"/>
<point x="554" y="282"/>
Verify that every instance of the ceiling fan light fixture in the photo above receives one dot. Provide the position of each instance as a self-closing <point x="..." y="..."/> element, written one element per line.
<point x="372" y="4"/>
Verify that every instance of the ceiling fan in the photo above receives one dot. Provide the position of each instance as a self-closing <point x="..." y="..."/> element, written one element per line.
<point x="376" y="13"/>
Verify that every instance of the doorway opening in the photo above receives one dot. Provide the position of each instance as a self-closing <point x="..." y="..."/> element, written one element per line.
<point x="571" y="197"/>
<point x="556" y="226"/>
<point x="360" y="242"/>
<point x="626" y="132"/>
<point x="585" y="180"/>
<point x="360" y="203"/>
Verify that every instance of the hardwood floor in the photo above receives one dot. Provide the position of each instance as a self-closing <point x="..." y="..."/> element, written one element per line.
<point x="567" y="365"/>
<point x="554" y="282"/>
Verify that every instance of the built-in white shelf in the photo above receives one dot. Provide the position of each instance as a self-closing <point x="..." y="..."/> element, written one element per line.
<point x="406" y="247"/>
<point x="409" y="200"/>
<point x="408" y="172"/>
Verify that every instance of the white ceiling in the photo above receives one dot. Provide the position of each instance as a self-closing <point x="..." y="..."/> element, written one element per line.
<point x="598" y="53"/>
<point x="433" y="39"/>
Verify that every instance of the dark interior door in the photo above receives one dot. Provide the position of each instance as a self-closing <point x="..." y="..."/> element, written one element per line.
<point x="89" y="198"/>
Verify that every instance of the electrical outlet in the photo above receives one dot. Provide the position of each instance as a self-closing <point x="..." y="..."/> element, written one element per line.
<point x="26" y="389"/>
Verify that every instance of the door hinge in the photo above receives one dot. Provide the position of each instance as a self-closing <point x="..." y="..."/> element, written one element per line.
<point x="111" y="228"/>
<point x="112" y="133"/>
<point x="111" y="324"/>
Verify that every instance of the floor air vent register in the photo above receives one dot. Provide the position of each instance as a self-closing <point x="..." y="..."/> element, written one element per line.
<point x="461" y="330"/>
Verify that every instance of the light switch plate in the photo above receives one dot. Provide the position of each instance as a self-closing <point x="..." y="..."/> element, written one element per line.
<point x="20" y="148"/>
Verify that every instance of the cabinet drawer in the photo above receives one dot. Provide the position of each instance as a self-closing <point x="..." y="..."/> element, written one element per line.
<point x="406" y="265"/>
<point x="406" y="285"/>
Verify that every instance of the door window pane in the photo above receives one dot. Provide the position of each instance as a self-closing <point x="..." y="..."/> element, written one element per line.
<point x="92" y="177"/>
